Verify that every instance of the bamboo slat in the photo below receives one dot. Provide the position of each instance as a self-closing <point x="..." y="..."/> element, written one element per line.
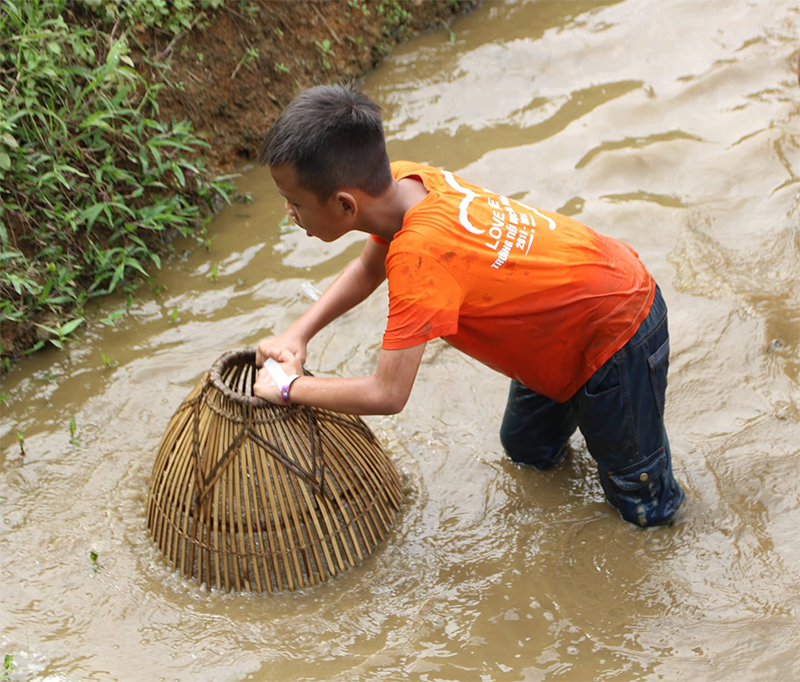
<point x="250" y="496"/>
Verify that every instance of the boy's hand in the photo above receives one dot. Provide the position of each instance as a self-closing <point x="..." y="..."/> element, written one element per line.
<point x="265" y="386"/>
<point x="274" y="346"/>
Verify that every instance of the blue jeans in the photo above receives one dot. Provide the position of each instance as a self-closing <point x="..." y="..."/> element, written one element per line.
<point x="620" y="412"/>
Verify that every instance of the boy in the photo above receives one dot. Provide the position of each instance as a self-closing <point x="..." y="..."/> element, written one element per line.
<point x="572" y="317"/>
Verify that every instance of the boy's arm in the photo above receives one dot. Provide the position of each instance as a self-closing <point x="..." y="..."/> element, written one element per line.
<point x="385" y="392"/>
<point x="357" y="281"/>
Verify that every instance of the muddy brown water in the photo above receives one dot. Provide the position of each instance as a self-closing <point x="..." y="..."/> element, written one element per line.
<point x="674" y="126"/>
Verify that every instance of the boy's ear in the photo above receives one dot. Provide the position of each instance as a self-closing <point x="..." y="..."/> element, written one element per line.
<point x="347" y="204"/>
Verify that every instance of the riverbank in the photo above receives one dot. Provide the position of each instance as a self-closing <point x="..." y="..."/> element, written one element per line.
<point x="128" y="139"/>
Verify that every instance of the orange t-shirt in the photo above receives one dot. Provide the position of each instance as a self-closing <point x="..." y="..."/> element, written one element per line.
<point x="528" y="292"/>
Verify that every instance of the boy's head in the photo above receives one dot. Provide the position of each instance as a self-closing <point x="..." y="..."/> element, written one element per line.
<point x="332" y="136"/>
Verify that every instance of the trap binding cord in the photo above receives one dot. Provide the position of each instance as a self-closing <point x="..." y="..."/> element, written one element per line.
<point x="247" y="495"/>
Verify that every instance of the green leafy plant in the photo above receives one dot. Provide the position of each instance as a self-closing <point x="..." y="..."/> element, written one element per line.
<point x="73" y="430"/>
<point x="250" y="55"/>
<point x="395" y="17"/>
<point x="358" y="42"/>
<point x="325" y="50"/>
<point x="248" y="8"/>
<point x="58" y="334"/>
<point x="8" y="666"/>
<point x="286" y="224"/>
<point x="359" y="5"/>
<point x="449" y="31"/>
<point x="110" y="320"/>
<point x="324" y="47"/>
<point x="395" y="22"/>
<point x="92" y="184"/>
<point x="172" y="16"/>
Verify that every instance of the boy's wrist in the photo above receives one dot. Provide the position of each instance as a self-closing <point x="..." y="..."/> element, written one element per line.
<point x="286" y="388"/>
<point x="282" y="381"/>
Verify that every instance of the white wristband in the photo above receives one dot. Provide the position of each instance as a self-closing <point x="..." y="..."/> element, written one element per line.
<point x="282" y="380"/>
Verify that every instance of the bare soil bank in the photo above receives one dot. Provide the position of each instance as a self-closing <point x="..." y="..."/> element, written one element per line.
<point x="240" y="71"/>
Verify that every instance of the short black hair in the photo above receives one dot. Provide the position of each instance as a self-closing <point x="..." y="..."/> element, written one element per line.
<point x="333" y="137"/>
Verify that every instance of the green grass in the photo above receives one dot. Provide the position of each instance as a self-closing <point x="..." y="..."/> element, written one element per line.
<point x="8" y="666"/>
<point x="92" y="183"/>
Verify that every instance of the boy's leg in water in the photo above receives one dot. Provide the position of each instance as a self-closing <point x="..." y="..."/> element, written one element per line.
<point x="535" y="429"/>
<point x="620" y="412"/>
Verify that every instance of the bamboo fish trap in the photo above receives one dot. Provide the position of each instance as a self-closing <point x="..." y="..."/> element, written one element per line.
<point x="247" y="495"/>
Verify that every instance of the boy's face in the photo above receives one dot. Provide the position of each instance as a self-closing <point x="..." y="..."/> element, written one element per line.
<point x="319" y="219"/>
